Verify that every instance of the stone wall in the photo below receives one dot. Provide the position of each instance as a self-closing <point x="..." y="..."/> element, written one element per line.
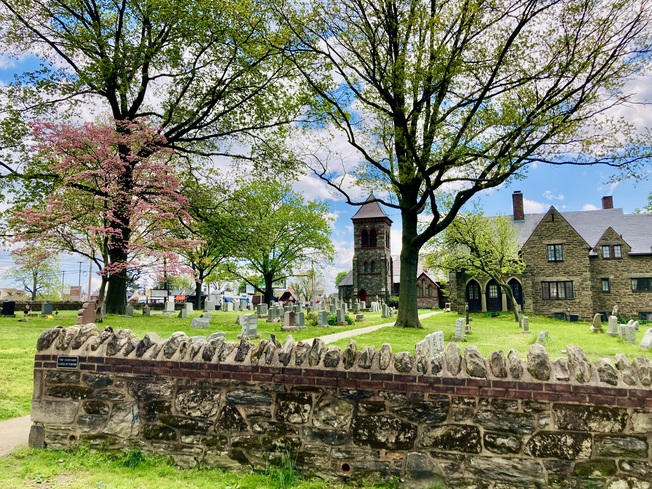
<point x="455" y="418"/>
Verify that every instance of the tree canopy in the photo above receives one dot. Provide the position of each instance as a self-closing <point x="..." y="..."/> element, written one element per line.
<point x="441" y="100"/>
<point x="272" y="232"/>
<point x="207" y="74"/>
<point x="480" y="246"/>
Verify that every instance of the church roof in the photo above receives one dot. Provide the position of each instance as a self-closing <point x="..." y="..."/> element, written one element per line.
<point x="370" y="210"/>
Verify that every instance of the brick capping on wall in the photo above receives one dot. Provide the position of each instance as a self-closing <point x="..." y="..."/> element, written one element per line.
<point x="453" y="417"/>
<point x="464" y="386"/>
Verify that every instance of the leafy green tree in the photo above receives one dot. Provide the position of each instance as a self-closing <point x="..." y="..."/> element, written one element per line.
<point x="206" y="73"/>
<point x="271" y="232"/>
<point x="306" y="283"/>
<point x="442" y="100"/>
<point x="36" y="270"/>
<point x="481" y="246"/>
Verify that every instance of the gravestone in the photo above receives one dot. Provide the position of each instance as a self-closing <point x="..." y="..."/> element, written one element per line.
<point x="333" y="309"/>
<point x="289" y="321"/>
<point x="375" y="306"/>
<point x="596" y="327"/>
<point x="621" y="330"/>
<point x="200" y="323"/>
<point x="435" y="342"/>
<point x="129" y="310"/>
<point x="188" y="307"/>
<point x="169" y="305"/>
<point x="217" y="335"/>
<point x="385" y="313"/>
<point x="646" y="342"/>
<point x="147" y="311"/>
<point x="244" y="304"/>
<point x="460" y="326"/>
<point x="363" y="305"/>
<point x="183" y="313"/>
<point x="86" y="315"/>
<point x="46" y="309"/>
<point x="635" y="324"/>
<point x="447" y="307"/>
<point x="542" y="338"/>
<point x="359" y="318"/>
<point x="207" y="315"/>
<point x="526" y="325"/>
<point x="9" y="308"/>
<point x="630" y="333"/>
<point x="341" y="319"/>
<point x="322" y="318"/>
<point x="228" y="306"/>
<point x="301" y="319"/>
<point x="612" y="326"/>
<point x="261" y="310"/>
<point x="210" y="306"/>
<point x="249" y="323"/>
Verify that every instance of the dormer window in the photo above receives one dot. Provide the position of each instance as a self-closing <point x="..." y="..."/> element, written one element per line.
<point x="612" y="251"/>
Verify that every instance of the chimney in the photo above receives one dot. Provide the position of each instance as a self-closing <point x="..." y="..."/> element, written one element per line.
<point x="608" y="202"/>
<point x="517" y="204"/>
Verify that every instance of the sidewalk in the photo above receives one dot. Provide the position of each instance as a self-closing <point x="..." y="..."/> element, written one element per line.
<point x="332" y="338"/>
<point x="14" y="433"/>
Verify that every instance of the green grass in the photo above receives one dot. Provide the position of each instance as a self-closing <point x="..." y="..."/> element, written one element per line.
<point x="491" y="334"/>
<point x="82" y="468"/>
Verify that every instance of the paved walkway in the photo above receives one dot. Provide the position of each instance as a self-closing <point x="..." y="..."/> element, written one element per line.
<point x="14" y="433"/>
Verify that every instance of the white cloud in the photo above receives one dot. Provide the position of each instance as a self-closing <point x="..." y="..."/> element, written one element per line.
<point x="589" y="207"/>
<point x="550" y="196"/>
<point x="534" y="207"/>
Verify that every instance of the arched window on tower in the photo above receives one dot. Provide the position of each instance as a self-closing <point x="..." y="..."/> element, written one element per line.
<point x="373" y="240"/>
<point x="364" y="238"/>
<point x="373" y="267"/>
<point x="366" y="267"/>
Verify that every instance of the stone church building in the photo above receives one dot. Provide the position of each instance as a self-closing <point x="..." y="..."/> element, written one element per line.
<point x="376" y="272"/>
<point x="577" y="264"/>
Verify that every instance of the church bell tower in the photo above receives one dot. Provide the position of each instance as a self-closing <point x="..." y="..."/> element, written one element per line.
<point x="372" y="258"/>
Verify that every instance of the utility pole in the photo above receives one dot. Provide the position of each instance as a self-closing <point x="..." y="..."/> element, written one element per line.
<point x="79" y="278"/>
<point x="90" y="274"/>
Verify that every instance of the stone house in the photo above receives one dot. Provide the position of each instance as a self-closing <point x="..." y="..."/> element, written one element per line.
<point x="376" y="272"/>
<point x="577" y="264"/>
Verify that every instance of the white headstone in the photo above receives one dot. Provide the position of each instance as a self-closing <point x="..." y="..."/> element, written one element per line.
<point x="188" y="306"/>
<point x="646" y="342"/>
<point x="630" y="333"/>
<point x="526" y="324"/>
<point x="612" y="328"/>
<point x="460" y="326"/>
<point x="200" y="323"/>
<point x="169" y="304"/>
<point x="322" y="318"/>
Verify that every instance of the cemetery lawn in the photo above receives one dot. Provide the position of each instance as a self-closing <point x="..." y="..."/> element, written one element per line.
<point x="82" y="468"/>
<point x="489" y="334"/>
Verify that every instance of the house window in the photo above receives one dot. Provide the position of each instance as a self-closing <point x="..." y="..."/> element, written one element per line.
<point x="364" y="238"/>
<point x="606" y="251"/>
<point x="555" y="252"/>
<point x="615" y="251"/>
<point x="493" y="291"/>
<point x="373" y="239"/>
<point x="642" y="285"/>
<point x="557" y="290"/>
<point x="606" y="286"/>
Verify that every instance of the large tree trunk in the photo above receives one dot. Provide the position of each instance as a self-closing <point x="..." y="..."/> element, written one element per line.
<point x="269" y="288"/>
<point x="408" y="312"/>
<point x="116" y="294"/>
<point x="198" y="285"/>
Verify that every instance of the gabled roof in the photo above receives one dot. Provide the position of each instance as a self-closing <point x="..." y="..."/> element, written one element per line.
<point x="421" y="270"/>
<point x="348" y="280"/>
<point x="635" y="229"/>
<point x="371" y="210"/>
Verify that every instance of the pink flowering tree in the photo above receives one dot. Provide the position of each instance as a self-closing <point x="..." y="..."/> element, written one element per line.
<point x="109" y="194"/>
